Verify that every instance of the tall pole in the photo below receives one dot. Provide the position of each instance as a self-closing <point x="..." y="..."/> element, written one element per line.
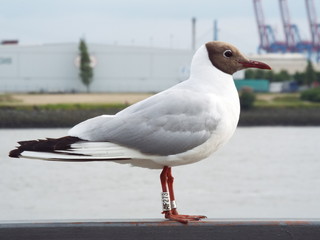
<point x="215" y="30"/>
<point x="193" y="34"/>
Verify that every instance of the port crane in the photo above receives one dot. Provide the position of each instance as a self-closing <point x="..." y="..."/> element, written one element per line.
<point x="267" y="37"/>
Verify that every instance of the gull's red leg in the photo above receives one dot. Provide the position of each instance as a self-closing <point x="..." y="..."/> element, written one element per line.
<point x="165" y="195"/>
<point x="170" y="210"/>
<point x="163" y="178"/>
<point x="170" y="180"/>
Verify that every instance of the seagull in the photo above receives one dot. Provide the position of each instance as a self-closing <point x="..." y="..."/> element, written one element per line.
<point x="181" y="125"/>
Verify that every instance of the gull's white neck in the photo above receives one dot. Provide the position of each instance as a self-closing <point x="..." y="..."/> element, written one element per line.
<point x="204" y="73"/>
<point x="219" y="85"/>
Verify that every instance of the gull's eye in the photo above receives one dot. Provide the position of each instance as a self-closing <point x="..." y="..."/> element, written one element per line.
<point x="227" y="53"/>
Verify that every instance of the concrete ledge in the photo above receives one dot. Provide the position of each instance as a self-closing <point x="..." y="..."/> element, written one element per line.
<point x="217" y="229"/>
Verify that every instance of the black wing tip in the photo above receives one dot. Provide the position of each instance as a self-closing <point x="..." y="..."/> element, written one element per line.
<point x="47" y="145"/>
<point x="15" y="153"/>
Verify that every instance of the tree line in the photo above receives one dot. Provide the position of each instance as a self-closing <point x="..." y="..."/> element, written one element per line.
<point x="307" y="77"/>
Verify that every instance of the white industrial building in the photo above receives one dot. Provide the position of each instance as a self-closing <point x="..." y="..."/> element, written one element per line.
<point x="53" y="67"/>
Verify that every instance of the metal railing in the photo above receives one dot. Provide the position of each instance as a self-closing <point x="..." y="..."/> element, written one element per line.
<point x="154" y="229"/>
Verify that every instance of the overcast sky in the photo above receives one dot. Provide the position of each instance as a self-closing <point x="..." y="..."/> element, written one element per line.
<point x="158" y="23"/>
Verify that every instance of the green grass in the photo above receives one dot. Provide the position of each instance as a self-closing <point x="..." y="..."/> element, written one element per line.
<point x="286" y="101"/>
<point x="277" y="101"/>
<point x="7" y="98"/>
<point x="287" y="98"/>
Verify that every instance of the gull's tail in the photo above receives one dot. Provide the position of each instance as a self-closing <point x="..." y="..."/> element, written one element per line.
<point x="69" y="149"/>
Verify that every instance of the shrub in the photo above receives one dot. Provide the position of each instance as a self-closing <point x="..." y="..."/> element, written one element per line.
<point x="312" y="95"/>
<point x="247" y="98"/>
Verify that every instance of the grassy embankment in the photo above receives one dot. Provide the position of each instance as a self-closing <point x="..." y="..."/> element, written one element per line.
<point x="54" y="110"/>
<point x="285" y="109"/>
<point x="62" y="111"/>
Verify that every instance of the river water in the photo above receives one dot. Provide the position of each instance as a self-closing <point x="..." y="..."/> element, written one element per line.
<point x="263" y="172"/>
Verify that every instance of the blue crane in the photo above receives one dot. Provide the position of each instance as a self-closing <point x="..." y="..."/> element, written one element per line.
<point x="268" y="40"/>
<point x="314" y="27"/>
<point x="291" y="32"/>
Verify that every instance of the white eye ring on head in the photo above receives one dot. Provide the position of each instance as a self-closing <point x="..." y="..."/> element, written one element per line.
<point x="227" y="53"/>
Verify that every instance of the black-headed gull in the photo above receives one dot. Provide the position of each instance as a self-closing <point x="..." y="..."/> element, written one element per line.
<point x="181" y="125"/>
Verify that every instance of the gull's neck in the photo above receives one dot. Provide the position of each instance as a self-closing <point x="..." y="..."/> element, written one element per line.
<point x="204" y="73"/>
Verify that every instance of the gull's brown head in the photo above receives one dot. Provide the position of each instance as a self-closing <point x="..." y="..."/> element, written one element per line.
<point x="229" y="59"/>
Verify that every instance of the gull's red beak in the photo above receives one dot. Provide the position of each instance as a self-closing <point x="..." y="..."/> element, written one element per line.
<point x="254" y="64"/>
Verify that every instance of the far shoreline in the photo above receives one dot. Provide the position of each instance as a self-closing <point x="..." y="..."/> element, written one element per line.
<point x="35" y="117"/>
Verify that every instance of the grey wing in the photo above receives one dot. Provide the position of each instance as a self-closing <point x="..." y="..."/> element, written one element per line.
<point x="164" y="125"/>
